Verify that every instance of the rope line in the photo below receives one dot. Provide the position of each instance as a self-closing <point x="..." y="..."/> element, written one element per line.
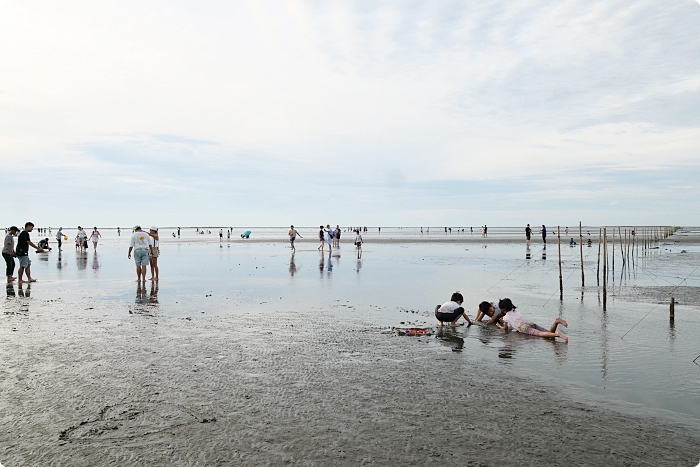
<point x="657" y="305"/>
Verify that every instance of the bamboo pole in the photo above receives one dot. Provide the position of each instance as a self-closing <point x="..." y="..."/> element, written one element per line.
<point x="613" y="253"/>
<point x="622" y="247"/>
<point x="605" y="269"/>
<point x="561" y="284"/>
<point x="597" y="274"/>
<point x="580" y="243"/>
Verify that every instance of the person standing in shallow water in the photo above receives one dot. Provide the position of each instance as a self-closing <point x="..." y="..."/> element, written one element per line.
<point x="8" y="253"/>
<point x="155" y="252"/>
<point x="528" y="233"/>
<point x="141" y="246"/>
<point x="543" y="231"/>
<point x="22" y="252"/>
<point x="329" y="238"/>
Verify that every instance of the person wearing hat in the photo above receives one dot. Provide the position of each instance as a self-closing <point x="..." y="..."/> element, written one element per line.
<point x="141" y="246"/>
<point x="155" y="252"/>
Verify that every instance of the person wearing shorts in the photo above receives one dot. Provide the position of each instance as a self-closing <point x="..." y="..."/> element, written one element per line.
<point x="22" y="252"/>
<point x="322" y="238"/>
<point x="141" y="246"/>
<point x="528" y="234"/>
<point x="513" y="320"/>
<point x="293" y="236"/>
<point x="450" y="312"/>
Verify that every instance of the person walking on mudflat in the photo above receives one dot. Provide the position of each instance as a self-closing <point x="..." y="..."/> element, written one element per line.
<point x="141" y="246"/>
<point x="22" y="252"/>
<point x="543" y="231"/>
<point x="95" y="237"/>
<point x="293" y="234"/>
<point x="8" y="253"/>
<point x="513" y="320"/>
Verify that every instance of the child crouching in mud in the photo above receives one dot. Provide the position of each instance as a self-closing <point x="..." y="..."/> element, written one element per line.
<point x="451" y="311"/>
<point x="515" y="321"/>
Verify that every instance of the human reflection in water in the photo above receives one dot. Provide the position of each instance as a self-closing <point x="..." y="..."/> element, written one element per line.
<point x="24" y="293"/>
<point x="321" y="264"/>
<point x="81" y="259"/>
<point x="95" y="262"/>
<point x="544" y="254"/>
<point x="358" y="265"/>
<point x="58" y="264"/>
<point x="527" y="254"/>
<point x="141" y="297"/>
<point x="330" y="264"/>
<point x="153" y="297"/>
<point x="11" y="291"/>
<point x="292" y="266"/>
<point x="449" y="337"/>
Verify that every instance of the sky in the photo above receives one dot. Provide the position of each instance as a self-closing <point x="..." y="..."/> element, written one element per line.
<point x="403" y="113"/>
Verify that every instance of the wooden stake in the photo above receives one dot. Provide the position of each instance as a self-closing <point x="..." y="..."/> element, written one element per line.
<point x="597" y="274"/>
<point x="672" y="309"/>
<point x="561" y="284"/>
<point x="613" y="253"/>
<point x="580" y="242"/>
<point x="605" y="269"/>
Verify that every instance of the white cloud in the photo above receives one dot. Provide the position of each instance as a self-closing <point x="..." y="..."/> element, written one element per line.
<point x="307" y="91"/>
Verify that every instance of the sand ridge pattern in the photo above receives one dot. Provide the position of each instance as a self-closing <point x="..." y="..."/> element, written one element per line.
<point x="101" y="387"/>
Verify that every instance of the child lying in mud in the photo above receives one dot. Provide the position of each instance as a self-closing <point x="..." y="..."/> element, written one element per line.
<point x="515" y="321"/>
<point x="451" y="311"/>
<point x="486" y="309"/>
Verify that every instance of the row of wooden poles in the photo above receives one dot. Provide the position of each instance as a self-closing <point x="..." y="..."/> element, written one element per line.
<point x="633" y="241"/>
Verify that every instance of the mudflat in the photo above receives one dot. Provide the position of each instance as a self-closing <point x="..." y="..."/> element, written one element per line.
<point x="111" y="388"/>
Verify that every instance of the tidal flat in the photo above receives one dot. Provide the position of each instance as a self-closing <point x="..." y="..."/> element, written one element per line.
<point x="245" y="354"/>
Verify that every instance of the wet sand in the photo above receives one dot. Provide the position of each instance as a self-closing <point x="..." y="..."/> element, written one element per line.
<point x="144" y="389"/>
<point x="247" y="355"/>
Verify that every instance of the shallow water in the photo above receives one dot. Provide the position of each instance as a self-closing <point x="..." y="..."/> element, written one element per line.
<point x="612" y="355"/>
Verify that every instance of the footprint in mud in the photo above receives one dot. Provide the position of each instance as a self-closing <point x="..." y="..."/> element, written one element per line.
<point x="131" y="420"/>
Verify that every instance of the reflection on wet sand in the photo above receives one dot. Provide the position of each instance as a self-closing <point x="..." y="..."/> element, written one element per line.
<point x="292" y="266"/>
<point x="95" y="262"/>
<point x="11" y="291"/>
<point x="146" y="301"/>
<point x="25" y="293"/>
<point x="450" y="338"/>
<point x="81" y="259"/>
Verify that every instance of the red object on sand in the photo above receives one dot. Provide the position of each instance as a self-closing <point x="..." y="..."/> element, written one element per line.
<point x="415" y="331"/>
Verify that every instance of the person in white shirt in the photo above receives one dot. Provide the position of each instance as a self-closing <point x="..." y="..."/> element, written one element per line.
<point x="358" y="243"/>
<point x="450" y="312"/>
<point x="513" y="320"/>
<point x="142" y="248"/>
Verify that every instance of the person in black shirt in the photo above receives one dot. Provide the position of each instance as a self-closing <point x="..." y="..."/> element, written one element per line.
<point x="528" y="233"/>
<point x="22" y="252"/>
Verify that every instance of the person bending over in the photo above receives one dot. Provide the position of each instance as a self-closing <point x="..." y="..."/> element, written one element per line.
<point x="450" y="312"/>
<point x="486" y="309"/>
<point x="513" y="320"/>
